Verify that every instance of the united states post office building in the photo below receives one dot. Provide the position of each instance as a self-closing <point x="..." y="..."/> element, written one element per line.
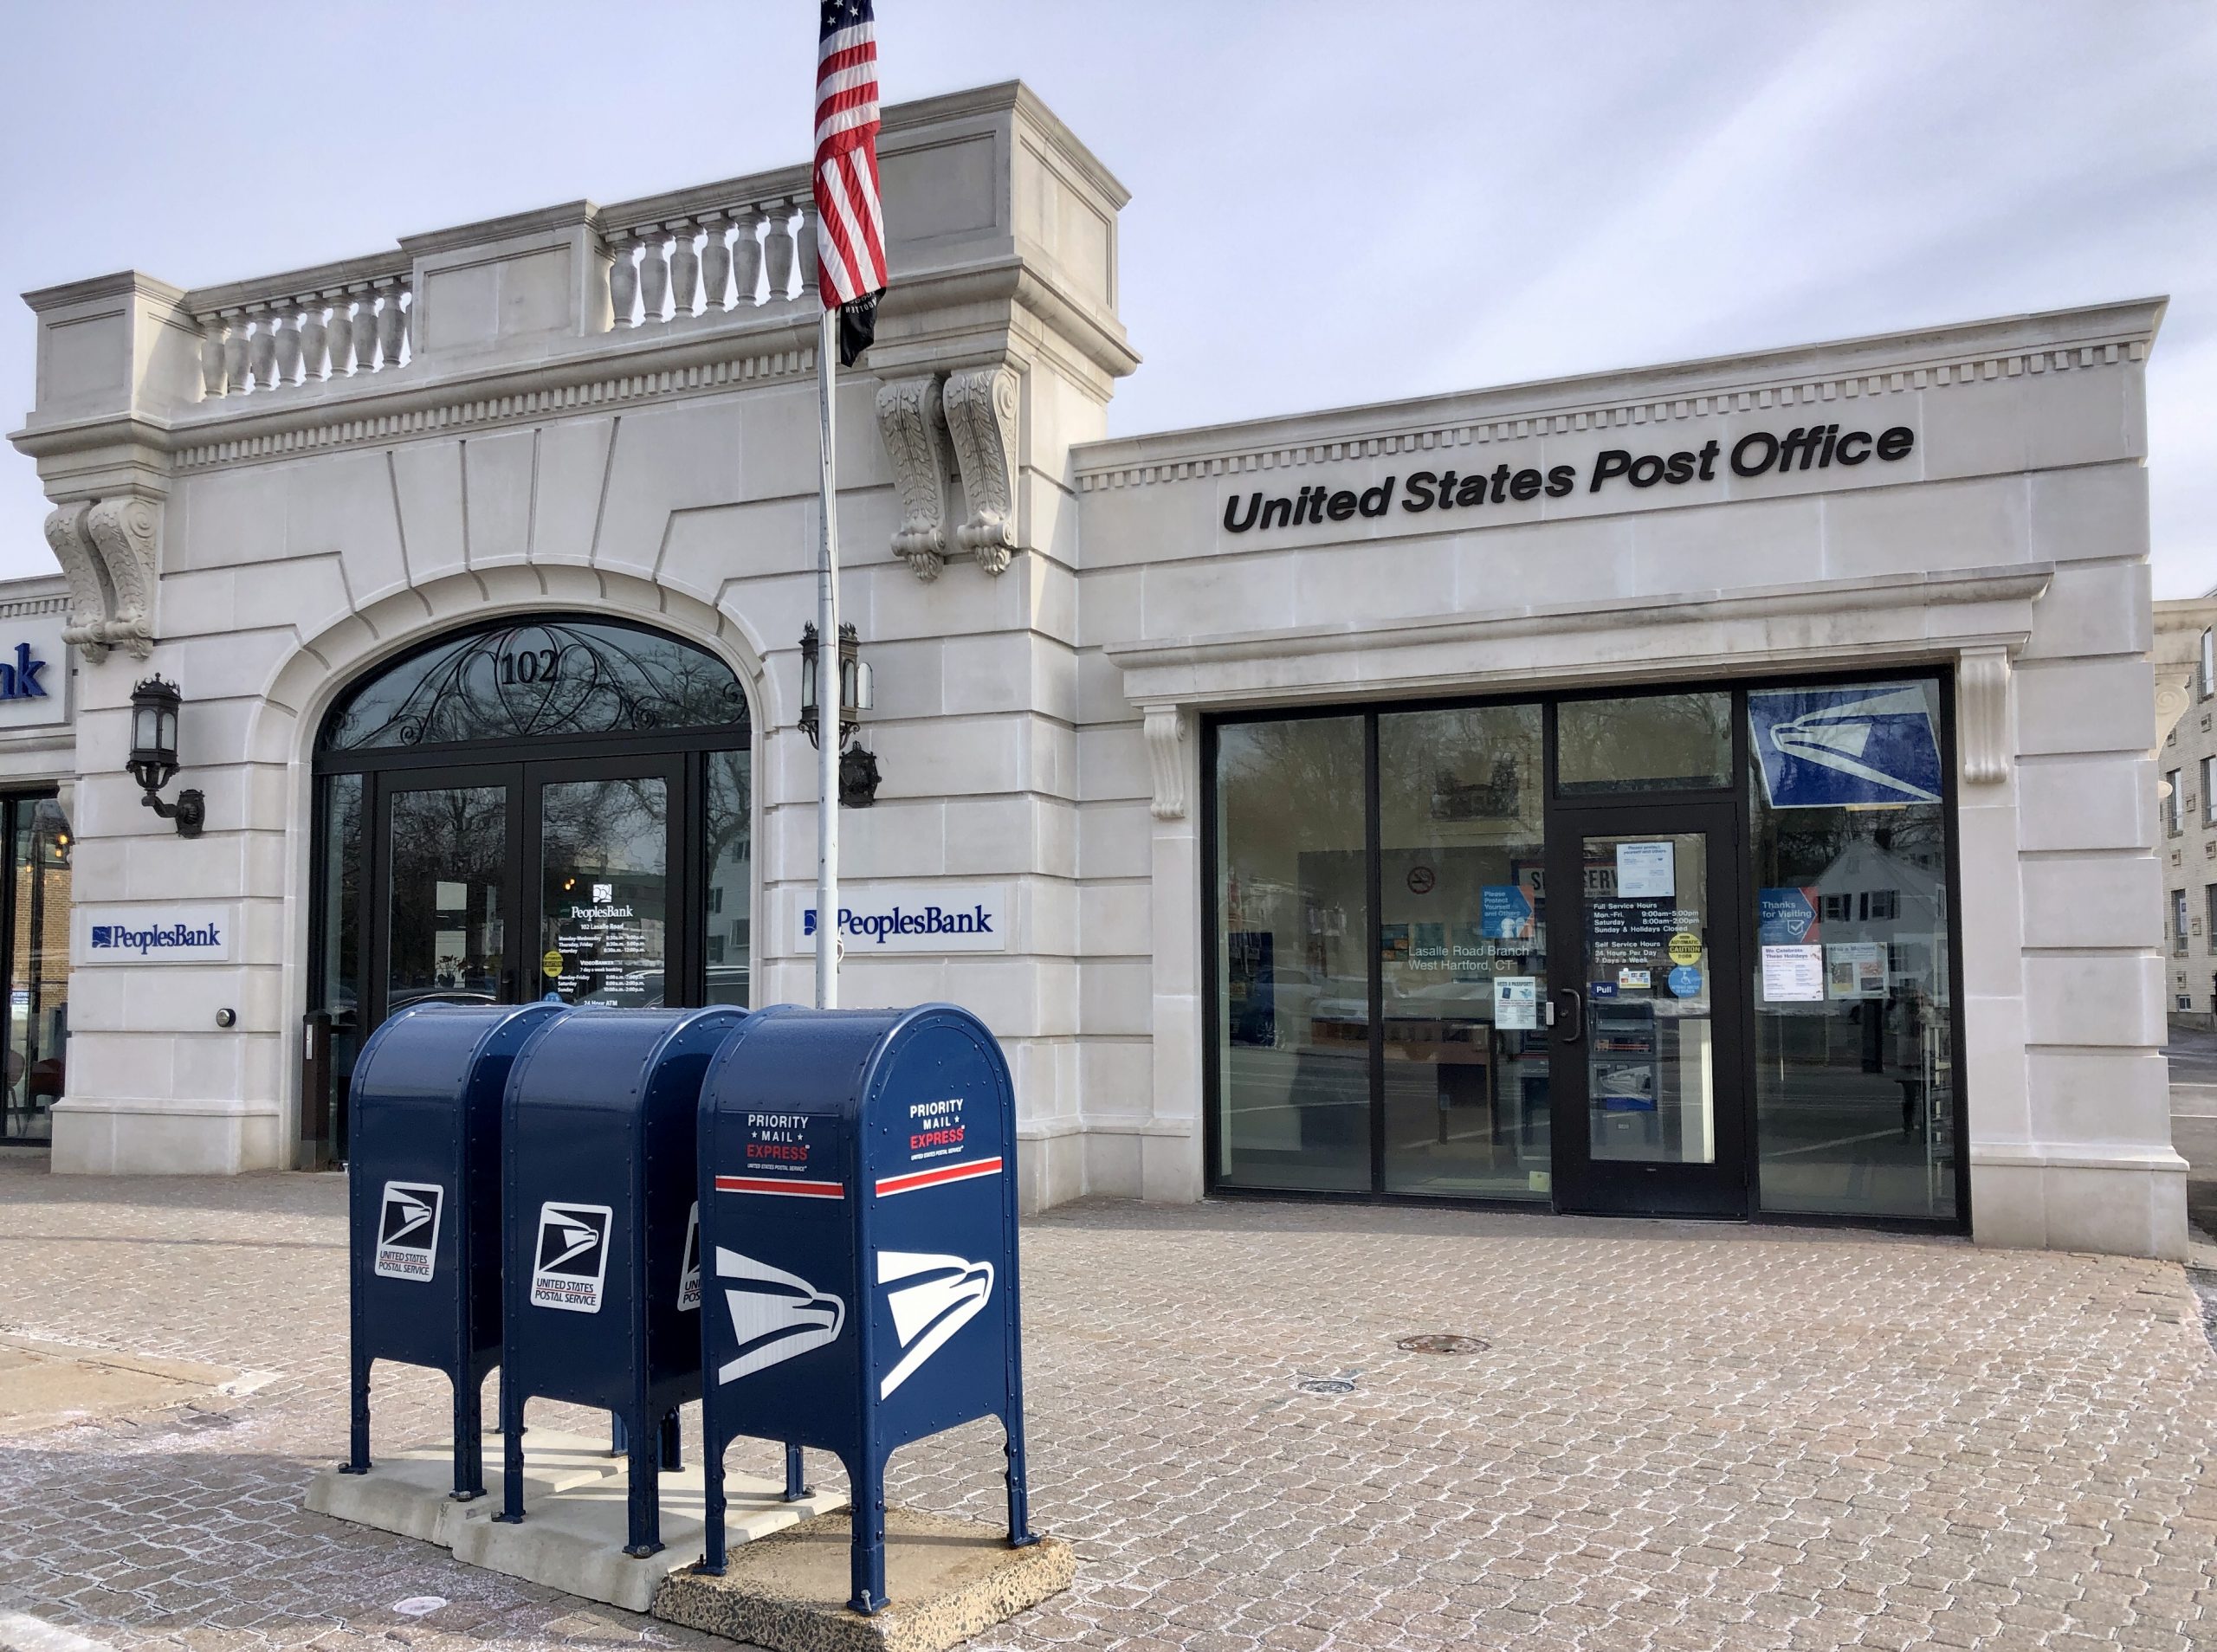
<point x="1721" y="789"/>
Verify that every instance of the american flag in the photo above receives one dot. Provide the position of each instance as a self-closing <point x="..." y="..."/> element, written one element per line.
<point x="850" y="226"/>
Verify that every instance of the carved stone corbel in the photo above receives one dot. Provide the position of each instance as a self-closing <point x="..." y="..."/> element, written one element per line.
<point x="90" y="595"/>
<point x="1165" y="728"/>
<point x="1982" y="714"/>
<point x="913" y="421"/>
<point x="981" y="417"/>
<point x="123" y="531"/>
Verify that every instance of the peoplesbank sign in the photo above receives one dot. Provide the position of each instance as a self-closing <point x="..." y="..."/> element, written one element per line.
<point x="1759" y="453"/>
<point x="879" y="918"/>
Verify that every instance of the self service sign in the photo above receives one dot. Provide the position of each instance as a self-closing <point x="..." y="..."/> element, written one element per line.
<point x="858" y="1249"/>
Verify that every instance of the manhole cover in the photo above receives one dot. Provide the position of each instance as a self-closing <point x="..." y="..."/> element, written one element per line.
<point x="1443" y="1342"/>
<point x="1325" y="1385"/>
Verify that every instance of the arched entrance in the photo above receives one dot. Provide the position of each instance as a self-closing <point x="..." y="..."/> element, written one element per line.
<point x="554" y="804"/>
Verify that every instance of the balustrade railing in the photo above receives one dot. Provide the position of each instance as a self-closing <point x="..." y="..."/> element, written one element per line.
<point x="701" y="253"/>
<point x="724" y="258"/>
<point x="275" y="343"/>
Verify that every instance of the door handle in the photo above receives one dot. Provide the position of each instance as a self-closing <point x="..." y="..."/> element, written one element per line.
<point x="1574" y="1013"/>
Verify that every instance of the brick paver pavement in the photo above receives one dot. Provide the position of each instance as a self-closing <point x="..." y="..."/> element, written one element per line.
<point x="1678" y="1437"/>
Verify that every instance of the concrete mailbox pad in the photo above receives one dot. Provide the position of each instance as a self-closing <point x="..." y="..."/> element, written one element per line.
<point x="948" y="1580"/>
<point x="580" y="1495"/>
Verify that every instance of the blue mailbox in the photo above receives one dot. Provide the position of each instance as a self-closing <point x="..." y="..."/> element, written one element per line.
<point x="858" y="1240"/>
<point x="603" y="1286"/>
<point x="423" y="1204"/>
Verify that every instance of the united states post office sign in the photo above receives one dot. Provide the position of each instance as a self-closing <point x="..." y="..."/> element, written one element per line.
<point x="881" y="917"/>
<point x="155" y="934"/>
<point x="34" y="672"/>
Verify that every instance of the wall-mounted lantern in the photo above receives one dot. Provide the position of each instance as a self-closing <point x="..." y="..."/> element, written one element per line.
<point x="858" y="773"/>
<point x="153" y="761"/>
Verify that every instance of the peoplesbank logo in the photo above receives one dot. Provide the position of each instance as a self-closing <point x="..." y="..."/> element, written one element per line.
<point x="921" y="918"/>
<point x="157" y="938"/>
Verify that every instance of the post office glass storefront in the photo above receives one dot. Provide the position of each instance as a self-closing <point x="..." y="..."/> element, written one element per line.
<point x="35" y="948"/>
<point x="1688" y="952"/>
<point x="555" y="805"/>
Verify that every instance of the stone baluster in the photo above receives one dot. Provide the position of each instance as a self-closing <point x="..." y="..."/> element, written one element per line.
<point x="288" y="346"/>
<point x="340" y="334"/>
<point x="262" y="352"/>
<point x="684" y="269"/>
<point x="654" y="278"/>
<point x="365" y="331"/>
<point x="780" y="253"/>
<point x="392" y="325"/>
<point x="623" y="282"/>
<point x="806" y="239"/>
<point x="234" y="354"/>
<point x="213" y="377"/>
<point x="313" y="338"/>
<point x="746" y="261"/>
<point x="715" y="265"/>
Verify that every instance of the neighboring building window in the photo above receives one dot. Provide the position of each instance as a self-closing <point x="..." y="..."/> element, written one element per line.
<point x="2178" y="923"/>
<point x="715" y="949"/>
<point x="2208" y="684"/>
<point x="2174" y="804"/>
<point x="2208" y="797"/>
<point x="1886" y="905"/>
<point x="2186" y="1001"/>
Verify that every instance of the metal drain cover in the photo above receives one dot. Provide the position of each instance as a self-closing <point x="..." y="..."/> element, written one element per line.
<point x="1326" y="1385"/>
<point x="1443" y="1342"/>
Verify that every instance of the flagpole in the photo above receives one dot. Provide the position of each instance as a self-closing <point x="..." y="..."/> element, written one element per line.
<point x="829" y="684"/>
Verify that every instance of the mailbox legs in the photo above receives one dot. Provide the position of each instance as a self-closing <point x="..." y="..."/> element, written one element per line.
<point x="511" y="1454"/>
<point x="469" y="1436"/>
<point x="1020" y="1534"/>
<point x="673" y="1446"/>
<point x="357" y="1444"/>
<point x="796" y="1477"/>
<point x="867" y="1523"/>
<point x="645" y="1504"/>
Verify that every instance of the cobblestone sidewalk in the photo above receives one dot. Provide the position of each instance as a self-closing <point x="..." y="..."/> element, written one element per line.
<point x="1677" y="1437"/>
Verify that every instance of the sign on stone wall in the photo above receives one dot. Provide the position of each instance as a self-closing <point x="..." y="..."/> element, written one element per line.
<point x="34" y="672"/>
<point x="154" y="935"/>
<point x="910" y="918"/>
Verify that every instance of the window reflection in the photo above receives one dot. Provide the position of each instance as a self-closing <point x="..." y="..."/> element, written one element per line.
<point x="1462" y="946"/>
<point x="40" y="847"/>
<point x="1855" y="1068"/>
<point x="1292" y="971"/>
<point x="1644" y="743"/>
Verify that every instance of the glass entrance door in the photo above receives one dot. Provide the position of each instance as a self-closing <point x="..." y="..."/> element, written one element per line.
<point x="1650" y="1102"/>
<point x="498" y="884"/>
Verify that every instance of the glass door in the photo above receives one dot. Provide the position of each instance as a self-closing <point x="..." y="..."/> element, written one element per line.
<point x="605" y="882"/>
<point x="447" y="843"/>
<point x="1650" y="1112"/>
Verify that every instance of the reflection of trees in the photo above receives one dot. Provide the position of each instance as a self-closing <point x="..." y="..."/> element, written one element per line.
<point x="555" y="677"/>
<point x="1795" y="846"/>
<point x="1303" y="776"/>
<point x="1647" y="737"/>
<point x="1478" y="763"/>
<point x="453" y="834"/>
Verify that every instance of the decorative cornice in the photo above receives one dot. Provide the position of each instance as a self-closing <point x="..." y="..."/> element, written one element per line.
<point x="479" y="410"/>
<point x="1652" y="395"/>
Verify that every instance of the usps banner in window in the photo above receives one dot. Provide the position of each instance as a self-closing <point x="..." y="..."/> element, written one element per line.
<point x="1826" y="748"/>
<point x="155" y="934"/>
<point x="879" y="917"/>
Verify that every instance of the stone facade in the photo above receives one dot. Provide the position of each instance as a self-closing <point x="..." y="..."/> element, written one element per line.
<point x="264" y="490"/>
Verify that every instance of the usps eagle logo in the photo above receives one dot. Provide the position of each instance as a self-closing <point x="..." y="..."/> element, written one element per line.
<point x="931" y="1298"/>
<point x="775" y="1315"/>
<point x="408" y="1231"/>
<point x="1827" y="748"/>
<point x="570" y="1266"/>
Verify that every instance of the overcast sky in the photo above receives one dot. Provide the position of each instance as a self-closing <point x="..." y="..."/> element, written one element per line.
<point x="1331" y="202"/>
